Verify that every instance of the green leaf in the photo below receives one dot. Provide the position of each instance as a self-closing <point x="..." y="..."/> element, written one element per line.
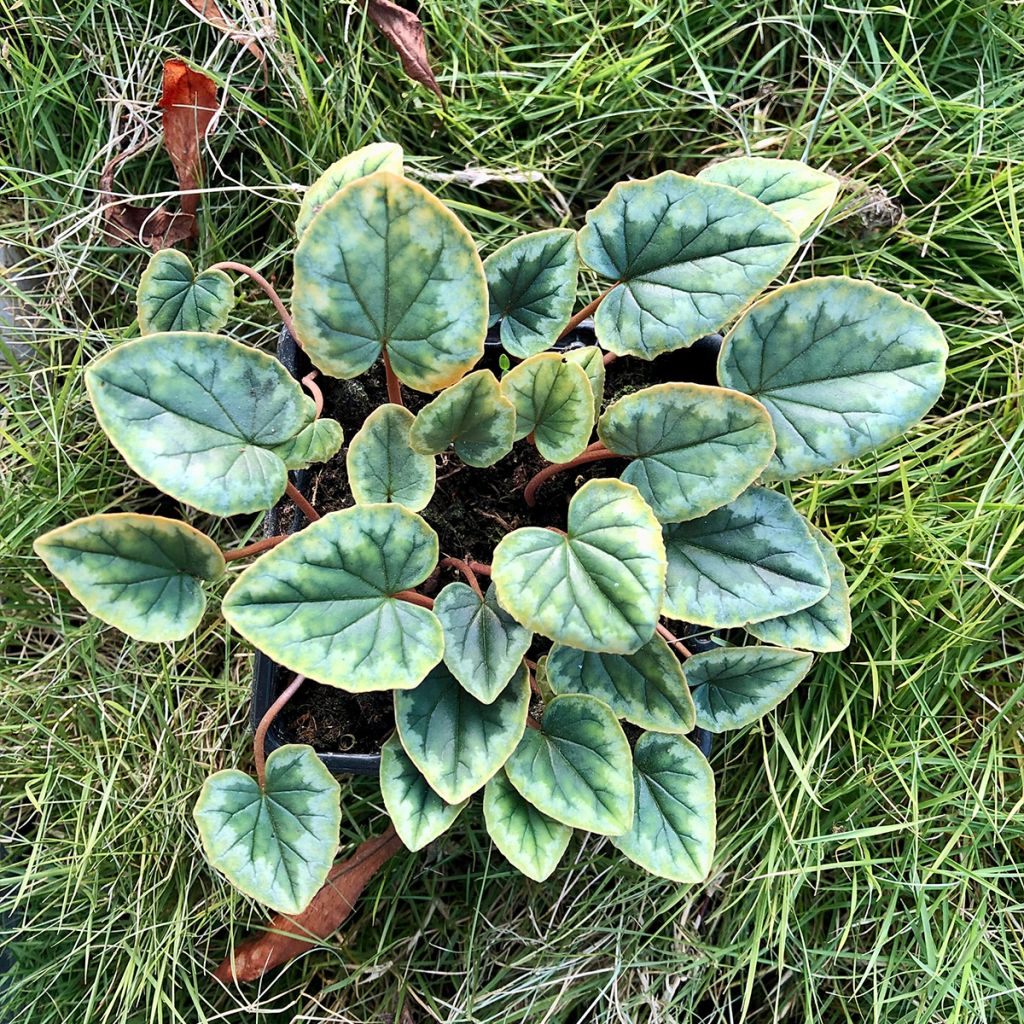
<point x="532" y="286"/>
<point x="673" y="831"/>
<point x="380" y="156"/>
<point x="576" y="767"/>
<point x="386" y="265"/>
<point x="735" y="686"/>
<point x="686" y="255"/>
<point x="172" y="297"/>
<point x="694" y="447"/>
<point x="554" y="402"/>
<point x="483" y="645"/>
<point x="752" y="560"/>
<point x="543" y="684"/>
<point x="382" y="466"/>
<point x="199" y="416"/>
<point x="797" y="193"/>
<point x="646" y="688"/>
<point x="457" y="741"/>
<point x="842" y="367"/>
<point x="276" y="845"/>
<point x="591" y="358"/>
<point x="321" y="603"/>
<point x="417" y="812"/>
<point x="824" y="626"/>
<point x="599" y="587"/>
<point x="472" y="415"/>
<point x="315" y="443"/>
<point x="138" y="573"/>
<point x="529" y="839"/>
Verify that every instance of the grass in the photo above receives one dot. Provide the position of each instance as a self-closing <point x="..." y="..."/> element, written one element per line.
<point x="869" y="861"/>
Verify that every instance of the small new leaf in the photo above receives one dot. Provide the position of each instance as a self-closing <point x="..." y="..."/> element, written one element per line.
<point x="383" y="467"/>
<point x="172" y="297"/>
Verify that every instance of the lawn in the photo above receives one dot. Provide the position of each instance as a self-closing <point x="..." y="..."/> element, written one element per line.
<point x="871" y="832"/>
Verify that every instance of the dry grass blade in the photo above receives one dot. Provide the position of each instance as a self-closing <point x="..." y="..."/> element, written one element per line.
<point x="213" y="15"/>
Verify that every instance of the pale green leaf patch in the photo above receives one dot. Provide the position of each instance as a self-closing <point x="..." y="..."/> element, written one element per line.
<point x="322" y="602"/>
<point x="576" y="768"/>
<point x="673" y="830"/>
<point x="383" y="467"/>
<point x="173" y="297"/>
<point x="735" y="686"/>
<point x="686" y="256"/>
<point x="750" y="560"/>
<point x="694" y="448"/>
<point x="139" y="573"/>
<point x="201" y="416"/>
<point x="315" y="443"/>
<point x="386" y="265"/>
<point x="457" y="741"/>
<point x="842" y="367"/>
<point x="600" y="586"/>
<point x="529" y="839"/>
<point x="591" y="358"/>
<point x="275" y="845"/>
<point x="532" y="286"/>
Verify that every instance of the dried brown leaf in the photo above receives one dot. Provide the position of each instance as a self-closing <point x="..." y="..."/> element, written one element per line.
<point x="405" y="33"/>
<point x="213" y="15"/>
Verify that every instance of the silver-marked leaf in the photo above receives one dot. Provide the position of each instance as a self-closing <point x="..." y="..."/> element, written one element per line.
<point x="382" y="466"/>
<point x="315" y="443"/>
<point x="842" y="367"/>
<point x="483" y="644"/>
<point x="455" y="740"/>
<point x="646" y="688"/>
<point x="322" y="602"/>
<point x="599" y="587"/>
<point x="591" y="358"/>
<point x="172" y="297"/>
<point x="797" y="193"/>
<point x="200" y="415"/>
<point x="385" y="265"/>
<point x="529" y="839"/>
<point x="275" y="845"/>
<point x="576" y="767"/>
<point x="379" y="156"/>
<point x="473" y="416"/>
<point x="417" y="812"/>
<point x="532" y="286"/>
<point x="735" y="686"/>
<point x="693" y="447"/>
<point x="751" y="560"/>
<point x="554" y="402"/>
<point x="673" y="831"/>
<point x="824" y="626"/>
<point x="138" y="573"/>
<point x="686" y="255"/>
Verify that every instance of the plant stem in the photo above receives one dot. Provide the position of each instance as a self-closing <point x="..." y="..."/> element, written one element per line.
<point x="609" y="358"/>
<point x="415" y="598"/>
<point x="467" y="570"/>
<point x="592" y="454"/>
<point x="259" y="740"/>
<point x="309" y="381"/>
<point x="672" y="641"/>
<point x="582" y="315"/>
<point x="268" y="289"/>
<point x="303" y="506"/>
<point x="254" y="548"/>
<point x="394" y="386"/>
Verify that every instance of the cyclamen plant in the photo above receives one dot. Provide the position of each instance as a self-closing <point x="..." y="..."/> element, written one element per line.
<point x="691" y="528"/>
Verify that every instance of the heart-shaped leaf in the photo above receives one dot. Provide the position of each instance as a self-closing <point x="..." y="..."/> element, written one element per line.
<point x="380" y="156"/>
<point x="554" y="402"/>
<point x="842" y="367"/>
<point x="457" y="741"/>
<point x="824" y="626"/>
<point x="532" y="286"/>
<point x="315" y="443"/>
<point x="138" y="573"/>
<point x="533" y="842"/>
<point x="417" y="812"/>
<point x="275" y="845"/>
<point x="673" y="830"/>
<point x="199" y="416"/>
<point x="472" y="415"/>
<point x="686" y="255"/>
<point x="646" y="688"/>
<point x="172" y="297"/>
<point x="483" y="644"/>
<point x="385" y="265"/>
<point x="600" y="586"/>
<point x="591" y="358"/>
<point x="752" y="560"/>
<point x="797" y="193"/>
<point x="735" y="686"/>
<point x="576" y="767"/>
<point x="694" y="447"/>
<point x="382" y="467"/>
<point x="322" y="602"/>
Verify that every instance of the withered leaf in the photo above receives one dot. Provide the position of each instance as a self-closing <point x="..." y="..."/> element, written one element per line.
<point x="211" y="13"/>
<point x="405" y="33"/>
